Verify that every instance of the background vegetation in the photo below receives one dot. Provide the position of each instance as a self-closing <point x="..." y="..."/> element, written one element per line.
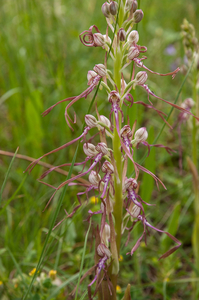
<point x="42" y="61"/>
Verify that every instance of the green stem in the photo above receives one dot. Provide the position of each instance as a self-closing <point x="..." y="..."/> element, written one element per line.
<point x="194" y="131"/>
<point x="118" y="205"/>
<point x="117" y="211"/>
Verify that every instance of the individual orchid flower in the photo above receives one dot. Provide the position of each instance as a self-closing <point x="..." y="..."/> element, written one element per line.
<point x="130" y="185"/>
<point x="140" y="138"/>
<point x="107" y="168"/>
<point x="135" y="50"/>
<point x="90" y="39"/>
<point x="114" y="99"/>
<point x="105" y="254"/>
<point x="126" y="135"/>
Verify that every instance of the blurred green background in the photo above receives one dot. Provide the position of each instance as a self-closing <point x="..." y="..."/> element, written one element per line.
<point x="43" y="61"/>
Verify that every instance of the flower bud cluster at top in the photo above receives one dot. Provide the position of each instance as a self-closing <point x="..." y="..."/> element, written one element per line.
<point x="190" y="40"/>
<point x="107" y="173"/>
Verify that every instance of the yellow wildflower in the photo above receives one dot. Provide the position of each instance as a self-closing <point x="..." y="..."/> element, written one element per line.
<point x="94" y="200"/>
<point x="31" y="273"/>
<point x="121" y="258"/>
<point x="118" y="289"/>
<point x="52" y="274"/>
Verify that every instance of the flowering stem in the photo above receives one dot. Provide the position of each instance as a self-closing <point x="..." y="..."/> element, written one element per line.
<point x="118" y="206"/>
<point x="117" y="212"/>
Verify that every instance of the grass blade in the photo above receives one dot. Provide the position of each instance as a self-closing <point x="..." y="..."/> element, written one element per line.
<point x="51" y="226"/>
<point x="82" y="261"/>
<point x="7" y="174"/>
<point x="14" y="195"/>
<point x="83" y="296"/>
<point x="17" y="267"/>
<point x="64" y="284"/>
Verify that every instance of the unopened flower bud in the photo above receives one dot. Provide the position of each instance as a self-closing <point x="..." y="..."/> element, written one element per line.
<point x="105" y="236"/>
<point x="135" y="211"/>
<point x="52" y="274"/>
<point x="106" y="9"/>
<point x="135" y="5"/>
<point x="138" y="16"/>
<point x="126" y="131"/>
<point x="107" y="167"/>
<point x="141" y="135"/>
<point x="131" y="4"/>
<point x="89" y="149"/>
<point x="133" y="53"/>
<point x="90" y="76"/>
<point x="94" y="178"/>
<point x="194" y="41"/>
<point x="189" y="53"/>
<point x="141" y="77"/>
<point x="100" y="69"/>
<point x="122" y="34"/>
<point x="185" y="25"/>
<point x="128" y="5"/>
<point x="105" y="120"/>
<point x="102" y="148"/>
<point x="107" y="42"/>
<point x="90" y="121"/>
<point x="102" y="250"/>
<point x="130" y="183"/>
<point x="107" y="39"/>
<point x="99" y="39"/>
<point x="113" y="8"/>
<point x="133" y="37"/>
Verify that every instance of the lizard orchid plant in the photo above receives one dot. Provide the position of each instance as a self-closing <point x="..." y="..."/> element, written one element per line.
<point x="106" y="162"/>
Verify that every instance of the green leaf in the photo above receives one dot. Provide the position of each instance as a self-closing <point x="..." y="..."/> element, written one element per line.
<point x="172" y="226"/>
<point x="36" y="297"/>
<point x="82" y="261"/>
